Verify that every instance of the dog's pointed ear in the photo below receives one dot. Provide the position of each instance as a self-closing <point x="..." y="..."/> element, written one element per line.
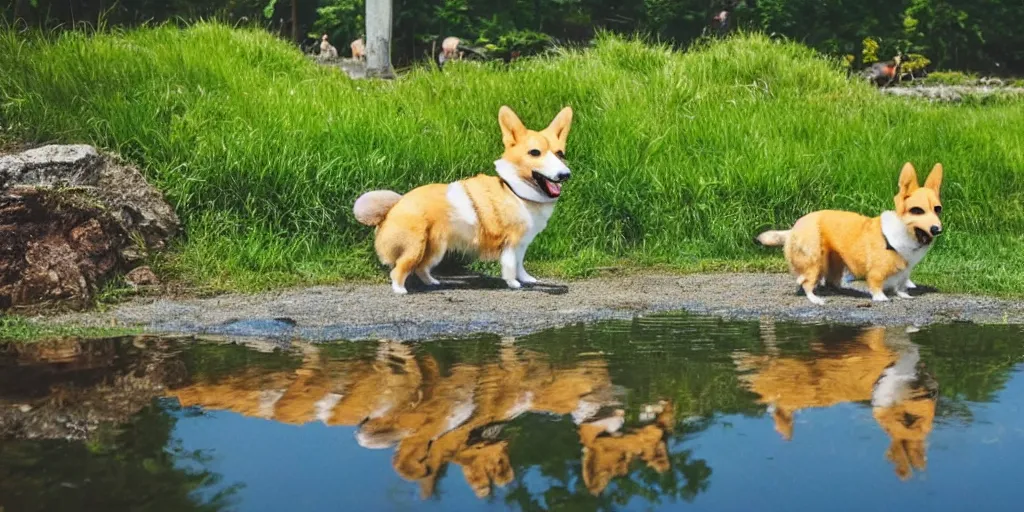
<point x="560" y="125"/>
<point x="934" y="180"/>
<point x="908" y="184"/>
<point x="512" y="129"/>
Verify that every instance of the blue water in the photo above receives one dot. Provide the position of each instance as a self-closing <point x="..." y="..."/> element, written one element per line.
<point x="656" y="414"/>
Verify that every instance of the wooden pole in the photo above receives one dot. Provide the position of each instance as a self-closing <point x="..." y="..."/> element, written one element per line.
<point x="295" y="21"/>
<point x="378" y="39"/>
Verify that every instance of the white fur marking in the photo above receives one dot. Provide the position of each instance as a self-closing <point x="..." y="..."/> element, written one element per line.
<point x="893" y="385"/>
<point x="906" y="246"/>
<point x="509" y="267"/>
<point x="268" y="399"/>
<point x="325" y="406"/>
<point x="460" y="415"/>
<point x="523" y="404"/>
<point x="372" y="442"/>
<point x="552" y="166"/>
<point x="462" y="206"/>
<point x="611" y="424"/>
<point x="584" y="411"/>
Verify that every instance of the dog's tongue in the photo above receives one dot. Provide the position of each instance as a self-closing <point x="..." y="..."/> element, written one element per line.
<point x="555" y="189"/>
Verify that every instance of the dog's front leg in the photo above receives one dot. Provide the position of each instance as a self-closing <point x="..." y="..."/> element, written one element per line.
<point x="520" y="269"/>
<point x="509" y="266"/>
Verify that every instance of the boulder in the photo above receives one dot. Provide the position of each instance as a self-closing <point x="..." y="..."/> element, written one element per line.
<point x="71" y="218"/>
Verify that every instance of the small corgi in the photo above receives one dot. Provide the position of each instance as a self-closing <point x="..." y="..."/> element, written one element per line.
<point x="492" y="217"/>
<point x="883" y="250"/>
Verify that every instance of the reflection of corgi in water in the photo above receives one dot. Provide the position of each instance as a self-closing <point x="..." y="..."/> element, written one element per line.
<point x="868" y="369"/>
<point x="607" y="453"/>
<point x="432" y="418"/>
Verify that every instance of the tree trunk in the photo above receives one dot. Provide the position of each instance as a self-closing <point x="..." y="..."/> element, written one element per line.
<point x="295" y="21"/>
<point x="378" y="39"/>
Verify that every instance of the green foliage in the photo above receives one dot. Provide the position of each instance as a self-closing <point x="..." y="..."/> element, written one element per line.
<point x="680" y="157"/>
<point x="957" y="34"/>
<point x="950" y="78"/>
<point x="915" y="62"/>
<point x="342" y="20"/>
<point x="16" y="328"/>
<point x="869" y="54"/>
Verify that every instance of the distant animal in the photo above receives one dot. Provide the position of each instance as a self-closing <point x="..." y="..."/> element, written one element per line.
<point x="327" y="50"/>
<point x="493" y="217"/>
<point x="453" y="49"/>
<point x="722" y="20"/>
<point x="883" y="74"/>
<point x="358" y="49"/>
<point x="883" y="250"/>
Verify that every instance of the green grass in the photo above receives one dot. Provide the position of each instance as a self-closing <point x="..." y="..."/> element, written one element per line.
<point x="678" y="158"/>
<point x="20" y="329"/>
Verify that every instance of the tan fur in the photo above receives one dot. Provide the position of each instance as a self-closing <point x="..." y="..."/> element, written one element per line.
<point x="450" y="48"/>
<point x="831" y="377"/>
<point x="609" y="456"/>
<point x="773" y="238"/>
<point x="371" y="207"/>
<point x="413" y="403"/>
<point x="822" y="244"/>
<point x="358" y="49"/>
<point x="417" y="230"/>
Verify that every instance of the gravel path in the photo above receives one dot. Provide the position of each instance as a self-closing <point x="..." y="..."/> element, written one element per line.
<point x="467" y="305"/>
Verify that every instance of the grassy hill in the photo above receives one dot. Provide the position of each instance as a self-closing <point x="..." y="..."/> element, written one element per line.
<point x="678" y="158"/>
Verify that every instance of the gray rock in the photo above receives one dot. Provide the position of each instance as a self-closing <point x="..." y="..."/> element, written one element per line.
<point x="71" y="218"/>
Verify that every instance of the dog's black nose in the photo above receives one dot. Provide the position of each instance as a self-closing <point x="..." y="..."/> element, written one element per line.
<point x="564" y="175"/>
<point x="936" y="230"/>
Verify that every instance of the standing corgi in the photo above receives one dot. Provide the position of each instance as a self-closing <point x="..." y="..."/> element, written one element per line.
<point x="493" y="217"/>
<point x="883" y="249"/>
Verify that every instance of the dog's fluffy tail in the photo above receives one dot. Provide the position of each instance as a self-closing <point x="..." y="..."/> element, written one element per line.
<point x="772" y="238"/>
<point x="372" y="207"/>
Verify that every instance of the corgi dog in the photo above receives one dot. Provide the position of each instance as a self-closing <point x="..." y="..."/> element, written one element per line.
<point x="882" y="250"/>
<point x="491" y="217"/>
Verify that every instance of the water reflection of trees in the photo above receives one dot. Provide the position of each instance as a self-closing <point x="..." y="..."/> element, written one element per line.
<point x="80" y="429"/>
<point x="491" y="410"/>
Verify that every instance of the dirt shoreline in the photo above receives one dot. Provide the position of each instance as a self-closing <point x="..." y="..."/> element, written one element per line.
<point x="472" y="305"/>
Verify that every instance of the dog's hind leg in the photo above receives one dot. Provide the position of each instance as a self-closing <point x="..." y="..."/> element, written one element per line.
<point x="835" y="271"/>
<point x="431" y="258"/>
<point x="808" y="281"/>
<point x="410" y="255"/>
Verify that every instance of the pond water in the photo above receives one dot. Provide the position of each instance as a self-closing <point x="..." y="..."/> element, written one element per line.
<point x="658" y="413"/>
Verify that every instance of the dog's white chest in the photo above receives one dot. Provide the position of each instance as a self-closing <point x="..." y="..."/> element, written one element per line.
<point x="535" y="217"/>
<point x="905" y="245"/>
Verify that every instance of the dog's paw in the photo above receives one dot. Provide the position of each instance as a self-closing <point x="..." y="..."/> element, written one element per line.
<point x="879" y="297"/>
<point x="429" y="280"/>
<point x="527" y="278"/>
<point x="400" y="290"/>
<point x="903" y="295"/>
<point x="910" y="284"/>
<point x="817" y="301"/>
<point x="514" y="284"/>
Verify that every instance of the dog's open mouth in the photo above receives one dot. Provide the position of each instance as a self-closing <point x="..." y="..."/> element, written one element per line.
<point x="549" y="187"/>
<point x="923" y="237"/>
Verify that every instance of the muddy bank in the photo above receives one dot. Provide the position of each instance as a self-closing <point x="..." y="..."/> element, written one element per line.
<point x="467" y="305"/>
